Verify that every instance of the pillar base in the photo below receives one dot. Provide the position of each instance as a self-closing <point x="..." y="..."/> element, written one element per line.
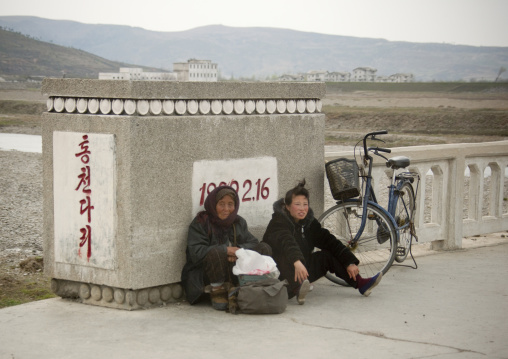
<point x="119" y="298"/>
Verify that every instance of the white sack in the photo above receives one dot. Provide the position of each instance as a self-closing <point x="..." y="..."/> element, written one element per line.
<point x="252" y="263"/>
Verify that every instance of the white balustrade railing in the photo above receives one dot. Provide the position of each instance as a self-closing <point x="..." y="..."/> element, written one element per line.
<point x="463" y="189"/>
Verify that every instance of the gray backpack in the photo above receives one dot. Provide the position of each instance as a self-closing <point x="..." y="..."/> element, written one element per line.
<point x="266" y="296"/>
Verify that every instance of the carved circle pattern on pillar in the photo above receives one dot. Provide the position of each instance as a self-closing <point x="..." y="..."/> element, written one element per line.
<point x="142" y="106"/>
<point x="300" y="106"/>
<point x="130" y="297"/>
<point x="119" y="295"/>
<point x="168" y="106"/>
<point x="239" y="107"/>
<point x="227" y="107"/>
<point x="130" y="107"/>
<point x="84" y="291"/>
<point x="49" y="104"/>
<point x="271" y="106"/>
<point x="311" y="106"/>
<point x="107" y="294"/>
<point x="192" y="107"/>
<point x="117" y="106"/>
<point x="250" y="106"/>
<point x="319" y="105"/>
<point x="154" y="295"/>
<point x="281" y="106"/>
<point x="204" y="107"/>
<point x="59" y="104"/>
<point x="70" y="104"/>
<point x="260" y="106"/>
<point x="93" y="105"/>
<point x="142" y="297"/>
<point x="82" y="105"/>
<point x="166" y="293"/>
<point x="180" y="107"/>
<point x="177" y="291"/>
<point x="291" y="106"/>
<point x="155" y="107"/>
<point x="105" y="106"/>
<point x="216" y="107"/>
<point x="96" y="292"/>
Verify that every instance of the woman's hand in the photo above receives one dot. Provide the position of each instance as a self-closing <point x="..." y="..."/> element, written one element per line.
<point x="353" y="271"/>
<point x="232" y="254"/>
<point x="300" y="272"/>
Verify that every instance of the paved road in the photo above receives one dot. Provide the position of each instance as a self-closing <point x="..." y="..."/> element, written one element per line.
<point x="455" y="305"/>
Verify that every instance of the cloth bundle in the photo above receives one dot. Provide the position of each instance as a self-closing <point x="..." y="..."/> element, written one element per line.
<point x="252" y="263"/>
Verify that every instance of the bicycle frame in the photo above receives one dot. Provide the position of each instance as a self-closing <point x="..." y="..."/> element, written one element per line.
<point x="370" y="198"/>
<point x="394" y="192"/>
<point x="369" y="194"/>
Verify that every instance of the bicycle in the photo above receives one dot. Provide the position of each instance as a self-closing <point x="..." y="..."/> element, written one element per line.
<point x="377" y="236"/>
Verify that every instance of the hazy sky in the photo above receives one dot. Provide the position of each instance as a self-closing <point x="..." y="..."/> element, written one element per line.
<point x="468" y="22"/>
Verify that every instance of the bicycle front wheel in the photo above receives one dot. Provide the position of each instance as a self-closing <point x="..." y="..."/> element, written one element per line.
<point x="404" y="219"/>
<point x="375" y="248"/>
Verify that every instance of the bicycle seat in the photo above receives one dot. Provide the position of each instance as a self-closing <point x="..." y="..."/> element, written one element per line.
<point x="398" y="162"/>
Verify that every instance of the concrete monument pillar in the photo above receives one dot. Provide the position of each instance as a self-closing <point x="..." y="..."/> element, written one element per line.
<point x="128" y="164"/>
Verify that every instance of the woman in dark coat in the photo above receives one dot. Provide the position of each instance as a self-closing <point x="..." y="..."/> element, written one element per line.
<point x="293" y="233"/>
<point x="214" y="236"/>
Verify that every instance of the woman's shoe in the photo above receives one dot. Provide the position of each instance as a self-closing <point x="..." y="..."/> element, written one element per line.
<point x="302" y="292"/>
<point x="219" y="299"/>
<point x="366" y="288"/>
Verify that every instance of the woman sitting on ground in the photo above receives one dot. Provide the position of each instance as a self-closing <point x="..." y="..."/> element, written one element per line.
<point x="213" y="239"/>
<point x="293" y="233"/>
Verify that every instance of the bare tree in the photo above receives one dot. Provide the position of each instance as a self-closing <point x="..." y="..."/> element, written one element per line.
<point x="501" y="70"/>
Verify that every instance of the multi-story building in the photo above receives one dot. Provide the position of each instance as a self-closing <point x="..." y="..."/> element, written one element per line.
<point x="287" y="77"/>
<point x="338" y="77"/>
<point x="137" y="74"/>
<point x="360" y="74"/>
<point x="401" y="78"/>
<point x="196" y="70"/>
<point x="317" y="75"/>
<point x="364" y="74"/>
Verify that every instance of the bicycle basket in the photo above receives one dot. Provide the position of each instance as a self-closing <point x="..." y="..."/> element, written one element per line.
<point x="342" y="175"/>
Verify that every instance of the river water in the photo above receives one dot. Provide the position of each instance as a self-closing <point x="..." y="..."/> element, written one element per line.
<point x="22" y="143"/>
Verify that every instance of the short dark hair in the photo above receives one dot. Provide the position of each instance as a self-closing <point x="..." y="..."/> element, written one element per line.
<point x="298" y="190"/>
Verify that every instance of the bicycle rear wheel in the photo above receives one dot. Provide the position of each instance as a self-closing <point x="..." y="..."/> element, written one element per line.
<point x="375" y="249"/>
<point x="403" y="217"/>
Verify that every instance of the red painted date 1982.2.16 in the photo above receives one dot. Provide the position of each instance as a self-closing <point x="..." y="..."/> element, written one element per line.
<point x="261" y="190"/>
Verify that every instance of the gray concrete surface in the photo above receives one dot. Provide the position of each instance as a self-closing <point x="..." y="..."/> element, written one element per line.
<point x="453" y="306"/>
<point x="152" y="164"/>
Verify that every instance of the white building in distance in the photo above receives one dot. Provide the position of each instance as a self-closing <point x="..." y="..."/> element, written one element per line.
<point x="364" y="74"/>
<point x="137" y="74"/>
<point x="196" y="70"/>
<point x="360" y="74"/>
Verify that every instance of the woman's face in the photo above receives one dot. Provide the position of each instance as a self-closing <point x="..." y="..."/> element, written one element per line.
<point x="299" y="207"/>
<point x="225" y="207"/>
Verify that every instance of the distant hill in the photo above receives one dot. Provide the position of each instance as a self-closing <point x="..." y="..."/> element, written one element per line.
<point x="261" y="52"/>
<point x="22" y="57"/>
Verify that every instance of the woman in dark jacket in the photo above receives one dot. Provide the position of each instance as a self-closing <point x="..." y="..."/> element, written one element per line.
<point x="293" y="233"/>
<point x="213" y="239"/>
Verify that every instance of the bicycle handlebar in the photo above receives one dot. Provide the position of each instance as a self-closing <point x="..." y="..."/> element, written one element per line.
<point x="382" y="132"/>
<point x="373" y="135"/>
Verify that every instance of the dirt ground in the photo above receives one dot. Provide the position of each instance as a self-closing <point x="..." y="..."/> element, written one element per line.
<point x="418" y="100"/>
<point x="411" y="118"/>
<point x="416" y="118"/>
